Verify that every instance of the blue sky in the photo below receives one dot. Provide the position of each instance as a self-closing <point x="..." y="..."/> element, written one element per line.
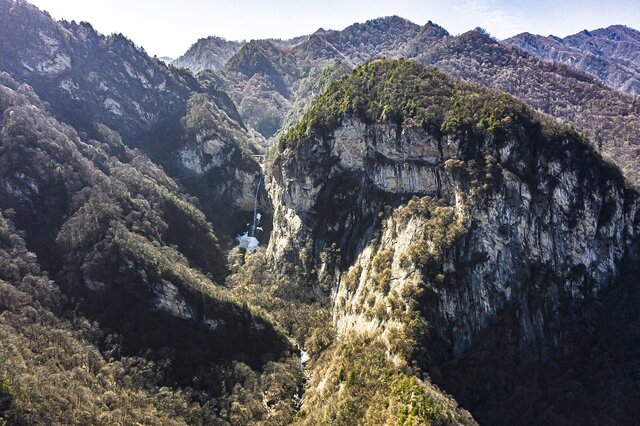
<point x="169" y="27"/>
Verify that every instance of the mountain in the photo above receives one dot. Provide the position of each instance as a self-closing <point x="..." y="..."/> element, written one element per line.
<point x="463" y="240"/>
<point x="432" y="249"/>
<point x="208" y="53"/>
<point x="189" y="127"/>
<point x="112" y="305"/>
<point x="273" y="85"/>
<point x="114" y="308"/>
<point x="610" y="54"/>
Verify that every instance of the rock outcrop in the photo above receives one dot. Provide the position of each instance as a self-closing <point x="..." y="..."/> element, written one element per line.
<point x="429" y="210"/>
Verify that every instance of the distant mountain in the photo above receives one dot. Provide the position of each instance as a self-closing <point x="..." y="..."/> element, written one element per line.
<point x="208" y="53"/>
<point x="611" y="54"/>
<point x="273" y="84"/>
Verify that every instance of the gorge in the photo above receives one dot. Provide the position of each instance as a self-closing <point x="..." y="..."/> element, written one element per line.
<point x="386" y="224"/>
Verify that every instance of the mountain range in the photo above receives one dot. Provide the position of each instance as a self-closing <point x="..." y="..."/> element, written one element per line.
<point x="273" y="84"/>
<point x="609" y="54"/>
<point x="386" y="224"/>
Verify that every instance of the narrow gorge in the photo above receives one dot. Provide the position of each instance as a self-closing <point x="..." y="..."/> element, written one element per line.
<point x="385" y="224"/>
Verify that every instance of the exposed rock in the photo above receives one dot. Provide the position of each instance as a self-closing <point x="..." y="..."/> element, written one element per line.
<point x="425" y="239"/>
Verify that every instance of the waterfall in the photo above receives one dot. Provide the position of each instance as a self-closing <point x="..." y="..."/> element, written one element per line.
<point x="248" y="240"/>
<point x="255" y="207"/>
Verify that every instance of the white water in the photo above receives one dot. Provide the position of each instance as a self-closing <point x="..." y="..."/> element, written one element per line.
<point x="248" y="240"/>
<point x="249" y="244"/>
<point x="255" y="208"/>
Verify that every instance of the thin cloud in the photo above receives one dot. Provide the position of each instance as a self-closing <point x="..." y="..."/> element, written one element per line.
<point x="492" y="16"/>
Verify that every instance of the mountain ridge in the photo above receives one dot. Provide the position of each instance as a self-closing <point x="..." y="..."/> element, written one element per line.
<point x="609" y="54"/>
<point x="609" y="118"/>
<point x="409" y="226"/>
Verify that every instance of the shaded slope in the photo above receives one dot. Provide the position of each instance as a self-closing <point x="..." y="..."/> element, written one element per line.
<point x="133" y="305"/>
<point x="88" y="79"/>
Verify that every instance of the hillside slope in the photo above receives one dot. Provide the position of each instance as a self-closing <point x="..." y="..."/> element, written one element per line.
<point x="111" y="288"/>
<point x="610" y="54"/>
<point x="272" y="84"/>
<point x="189" y="127"/>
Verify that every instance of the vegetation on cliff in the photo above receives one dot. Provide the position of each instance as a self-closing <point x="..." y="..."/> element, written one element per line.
<point x="402" y="92"/>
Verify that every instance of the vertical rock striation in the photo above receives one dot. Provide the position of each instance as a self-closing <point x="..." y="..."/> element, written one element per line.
<point x="434" y="214"/>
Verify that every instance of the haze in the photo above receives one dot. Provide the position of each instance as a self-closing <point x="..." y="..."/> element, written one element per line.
<point x="168" y="28"/>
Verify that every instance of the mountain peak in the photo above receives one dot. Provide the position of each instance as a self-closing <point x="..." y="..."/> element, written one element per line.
<point x="433" y="30"/>
<point x="208" y="53"/>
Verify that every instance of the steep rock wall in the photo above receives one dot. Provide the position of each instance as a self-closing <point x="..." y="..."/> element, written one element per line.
<point x="435" y="240"/>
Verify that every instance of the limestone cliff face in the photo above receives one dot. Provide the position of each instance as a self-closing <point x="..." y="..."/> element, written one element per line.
<point x="544" y="218"/>
<point x="433" y="240"/>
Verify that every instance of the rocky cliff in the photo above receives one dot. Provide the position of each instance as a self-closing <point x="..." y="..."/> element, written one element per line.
<point x="453" y="226"/>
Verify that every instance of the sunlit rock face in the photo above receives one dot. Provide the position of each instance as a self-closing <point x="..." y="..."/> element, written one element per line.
<point x="514" y="237"/>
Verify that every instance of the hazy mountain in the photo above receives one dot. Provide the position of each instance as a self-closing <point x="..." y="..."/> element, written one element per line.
<point x="610" y="54"/>
<point x="208" y="53"/>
